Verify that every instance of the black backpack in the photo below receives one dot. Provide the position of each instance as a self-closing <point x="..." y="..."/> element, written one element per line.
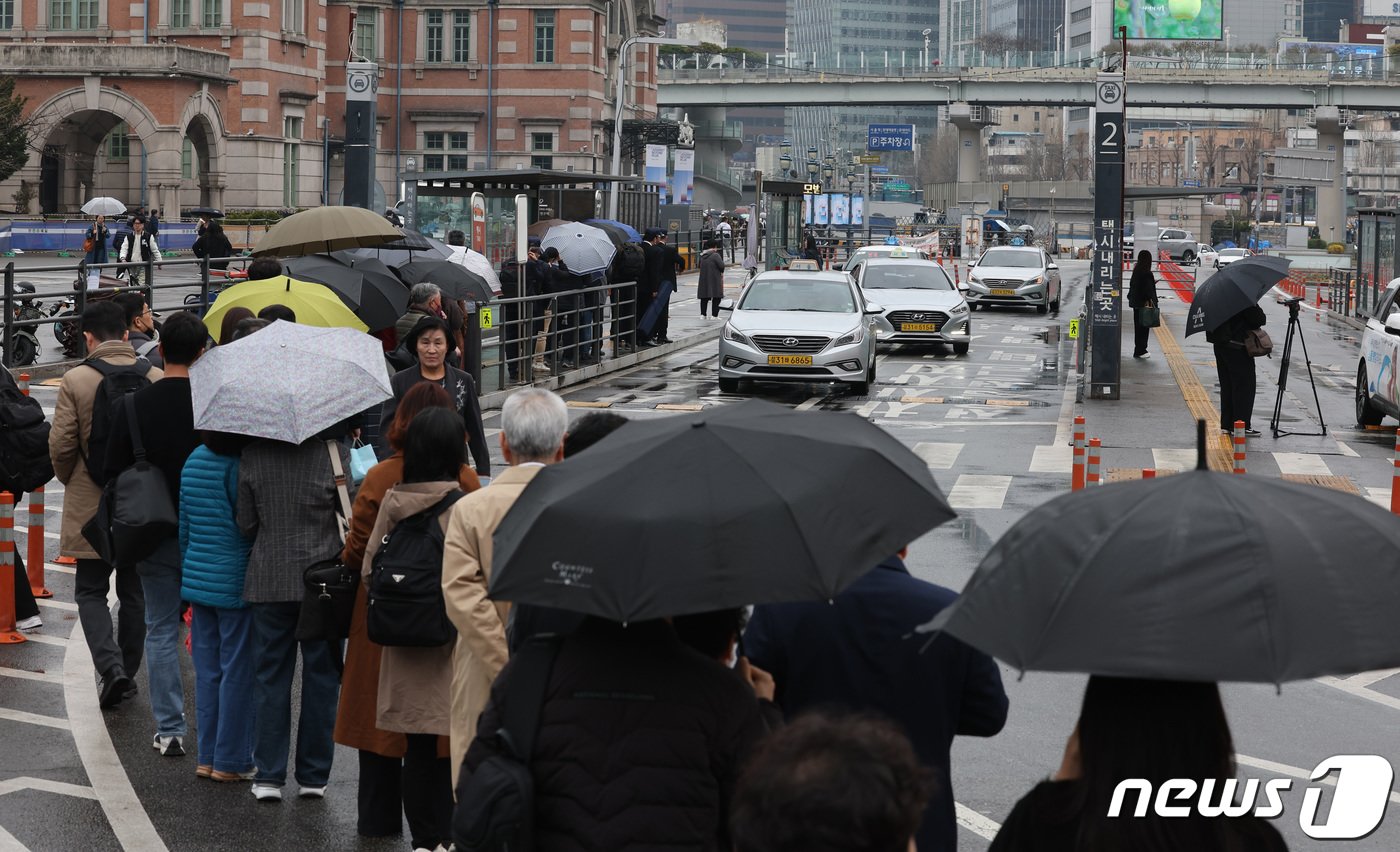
<point x="24" y="441"/>
<point x="117" y="382"/>
<point x="632" y="262"/>
<point x="496" y="801"/>
<point x="406" y="607"/>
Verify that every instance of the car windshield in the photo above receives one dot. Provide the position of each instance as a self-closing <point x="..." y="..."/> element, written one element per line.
<point x="799" y="294"/>
<point x="1235" y="252"/>
<point x="905" y="276"/>
<point x="1007" y="257"/>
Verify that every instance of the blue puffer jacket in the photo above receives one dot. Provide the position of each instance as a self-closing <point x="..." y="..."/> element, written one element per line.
<point x="215" y="552"/>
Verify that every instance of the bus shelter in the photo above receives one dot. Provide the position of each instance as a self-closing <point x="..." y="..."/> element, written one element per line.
<point x="781" y="236"/>
<point x="1375" y="256"/>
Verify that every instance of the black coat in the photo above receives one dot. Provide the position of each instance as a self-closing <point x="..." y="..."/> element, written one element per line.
<point x="213" y="244"/>
<point x="861" y="653"/>
<point x="1142" y="288"/>
<point x="640" y="742"/>
<point x="1236" y="327"/>
<point x="462" y="390"/>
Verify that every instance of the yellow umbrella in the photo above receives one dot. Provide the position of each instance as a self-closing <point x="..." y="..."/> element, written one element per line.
<point x="314" y="304"/>
<point x="322" y="230"/>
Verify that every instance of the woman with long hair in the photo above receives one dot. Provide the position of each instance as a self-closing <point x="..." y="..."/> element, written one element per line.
<point x="429" y="341"/>
<point x="1133" y="728"/>
<point x="1142" y="293"/>
<point x="381" y="752"/>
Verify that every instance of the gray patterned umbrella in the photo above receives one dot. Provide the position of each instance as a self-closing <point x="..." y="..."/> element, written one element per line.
<point x="583" y="248"/>
<point x="288" y="381"/>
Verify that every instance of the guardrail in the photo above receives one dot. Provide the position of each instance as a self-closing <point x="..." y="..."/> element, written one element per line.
<point x="1346" y="298"/>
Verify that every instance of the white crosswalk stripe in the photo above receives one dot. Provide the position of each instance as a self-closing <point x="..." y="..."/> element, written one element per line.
<point x="1053" y="459"/>
<point x="1305" y="464"/>
<point x="1173" y="459"/>
<point x="979" y="491"/>
<point x="938" y="456"/>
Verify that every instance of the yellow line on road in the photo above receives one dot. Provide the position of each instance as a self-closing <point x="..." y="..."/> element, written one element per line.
<point x="1219" y="453"/>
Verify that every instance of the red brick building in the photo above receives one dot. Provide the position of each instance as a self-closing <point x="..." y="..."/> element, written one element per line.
<point x="241" y="104"/>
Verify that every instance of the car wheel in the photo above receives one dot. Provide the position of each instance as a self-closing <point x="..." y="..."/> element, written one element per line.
<point x="1366" y="414"/>
<point x="961" y="348"/>
<point x="728" y="385"/>
<point x="1188" y="257"/>
<point x="1042" y="309"/>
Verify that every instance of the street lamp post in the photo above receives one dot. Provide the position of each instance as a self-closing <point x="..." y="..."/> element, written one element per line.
<point x="1054" y="228"/>
<point x="627" y="46"/>
<point x="785" y="161"/>
<point x="850" y="210"/>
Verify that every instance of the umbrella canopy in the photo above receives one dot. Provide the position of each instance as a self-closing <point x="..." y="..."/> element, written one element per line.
<point x="749" y="504"/>
<point x="208" y="212"/>
<point x="365" y="285"/>
<point x="397" y="254"/>
<point x="1195" y="576"/>
<point x="475" y="261"/>
<point x="288" y="381"/>
<point x="104" y="206"/>
<point x="631" y="234"/>
<point x="617" y="235"/>
<point x="326" y="229"/>
<point x="1234" y="288"/>
<point x="314" y="304"/>
<point x="540" y="228"/>
<point x="456" y="281"/>
<point x="583" y="248"/>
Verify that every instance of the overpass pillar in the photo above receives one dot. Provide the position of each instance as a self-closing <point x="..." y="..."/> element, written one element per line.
<point x="969" y="119"/>
<point x="1331" y="127"/>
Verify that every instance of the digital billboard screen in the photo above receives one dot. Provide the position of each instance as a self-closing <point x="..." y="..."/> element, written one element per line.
<point x="1193" y="20"/>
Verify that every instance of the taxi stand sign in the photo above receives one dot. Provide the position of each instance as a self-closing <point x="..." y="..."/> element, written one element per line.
<point x="1106" y="274"/>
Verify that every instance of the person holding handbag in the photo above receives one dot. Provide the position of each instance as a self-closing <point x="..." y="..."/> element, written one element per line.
<point x="382" y="804"/>
<point x="1142" y="298"/>
<point x="289" y="499"/>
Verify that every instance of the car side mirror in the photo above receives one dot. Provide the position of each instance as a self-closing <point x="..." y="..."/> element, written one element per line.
<point x="1052" y="266"/>
<point x="872" y="308"/>
<point x="726" y="304"/>
<point x="1392" y="324"/>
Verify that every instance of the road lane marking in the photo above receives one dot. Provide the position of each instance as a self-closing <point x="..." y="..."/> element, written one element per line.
<point x="10" y="843"/>
<point x="1178" y="460"/>
<point x="808" y="405"/>
<point x="938" y="456"/>
<point x="979" y="491"/>
<point x="1293" y="771"/>
<point x="1368" y="678"/>
<point x="1379" y="496"/>
<point x="35" y="718"/>
<point x="976" y="823"/>
<point x="1347" y="450"/>
<point x="53" y="604"/>
<point x="1056" y="458"/>
<point x="62" y="788"/>
<point x="25" y="674"/>
<point x="1302" y="464"/>
<point x="44" y="639"/>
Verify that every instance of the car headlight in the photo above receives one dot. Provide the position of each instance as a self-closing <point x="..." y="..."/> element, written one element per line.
<point x="960" y="308"/>
<point x="731" y="333"/>
<point x="974" y="278"/>
<point x="1035" y="280"/>
<point x="847" y="339"/>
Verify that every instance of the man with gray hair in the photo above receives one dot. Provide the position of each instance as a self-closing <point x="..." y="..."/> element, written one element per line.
<point x="424" y="300"/>
<point x="533" y="424"/>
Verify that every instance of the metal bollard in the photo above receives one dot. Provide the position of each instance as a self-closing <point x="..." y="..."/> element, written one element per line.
<point x="9" y="635"/>
<point x="1092" y="478"/>
<point x="35" y="548"/>
<point x="1395" y="477"/>
<point x="1076" y="479"/>
<point x="1240" y="450"/>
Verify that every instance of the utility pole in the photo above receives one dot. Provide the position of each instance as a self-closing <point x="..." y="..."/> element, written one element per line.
<point x="1258" y="198"/>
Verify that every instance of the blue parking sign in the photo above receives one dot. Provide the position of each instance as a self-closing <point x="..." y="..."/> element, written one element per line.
<point x="890" y="137"/>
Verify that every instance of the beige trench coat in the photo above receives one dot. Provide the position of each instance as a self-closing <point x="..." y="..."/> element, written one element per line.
<point x="481" y="623"/>
<point x="414" y="695"/>
<point x="68" y="444"/>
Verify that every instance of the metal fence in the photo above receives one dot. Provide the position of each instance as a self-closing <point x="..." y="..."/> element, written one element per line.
<point x="1350" y="296"/>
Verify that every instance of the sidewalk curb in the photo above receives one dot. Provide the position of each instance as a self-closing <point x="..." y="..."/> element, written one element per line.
<point x="495" y="399"/>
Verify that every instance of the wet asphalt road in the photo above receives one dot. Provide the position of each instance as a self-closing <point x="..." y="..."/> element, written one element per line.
<point x="991" y="426"/>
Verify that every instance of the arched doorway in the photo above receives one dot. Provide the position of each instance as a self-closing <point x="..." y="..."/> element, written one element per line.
<point x="87" y="153"/>
<point x="196" y="157"/>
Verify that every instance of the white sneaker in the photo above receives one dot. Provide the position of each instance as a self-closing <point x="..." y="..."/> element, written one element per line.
<point x="267" y="793"/>
<point x="33" y="622"/>
<point x="168" y="746"/>
<point x="312" y="792"/>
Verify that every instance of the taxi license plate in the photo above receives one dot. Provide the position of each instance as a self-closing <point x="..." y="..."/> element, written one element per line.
<point x="918" y="326"/>
<point x="790" y="360"/>
<point x="1003" y="292"/>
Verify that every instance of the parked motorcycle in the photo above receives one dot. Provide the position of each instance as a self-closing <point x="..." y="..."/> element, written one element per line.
<point x="25" y="348"/>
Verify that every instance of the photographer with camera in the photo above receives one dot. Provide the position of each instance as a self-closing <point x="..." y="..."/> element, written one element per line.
<point x="1235" y="367"/>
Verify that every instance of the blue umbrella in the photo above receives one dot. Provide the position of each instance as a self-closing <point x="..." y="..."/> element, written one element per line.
<point x="627" y="229"/>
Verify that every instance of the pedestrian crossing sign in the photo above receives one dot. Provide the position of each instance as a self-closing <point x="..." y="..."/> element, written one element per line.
<point x="486" y="319"/>
<point x="1074" y="329"/>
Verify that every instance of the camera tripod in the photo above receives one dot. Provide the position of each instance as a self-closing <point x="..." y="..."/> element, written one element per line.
<point x="1294" y="326"/>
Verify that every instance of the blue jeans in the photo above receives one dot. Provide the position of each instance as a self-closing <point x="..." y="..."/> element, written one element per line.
<point x="160" y="583"/>
<point x="222" y="640"/>
<point x="586" y="318"/>
<point x="275" y="644"/>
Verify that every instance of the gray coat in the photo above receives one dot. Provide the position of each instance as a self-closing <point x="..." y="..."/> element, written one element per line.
<point x="711" y="275"/>
<point x="287" y="504"/>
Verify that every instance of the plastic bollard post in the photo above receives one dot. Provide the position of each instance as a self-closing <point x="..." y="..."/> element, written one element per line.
<point x="1076" y="480"/>
<point x="1092" y="477"/>
<point x="24" y="383"/>
<point x="35" y="548"/>
<point x="9" y="634"/>
<point x="1149" y="473"/>
<point x="1395" y="478"/>
<point x="1240" y="450"/>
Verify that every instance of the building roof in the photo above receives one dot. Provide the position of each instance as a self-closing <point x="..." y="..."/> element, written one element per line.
<point x="532" y="178"/>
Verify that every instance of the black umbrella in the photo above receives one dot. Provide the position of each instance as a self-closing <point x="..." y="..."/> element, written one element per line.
<point x="457" y="282"/>
<point x="615" y="233"/>
<point x="365" y="285"/>
<point x="1197" y="576"/>
<point x="749" y="504"/>
<point x="412" y="247"/>
<point x="1232" y="289"/>
<point x="207" y="212"/>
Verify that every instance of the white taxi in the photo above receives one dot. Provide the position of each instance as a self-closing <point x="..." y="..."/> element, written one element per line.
<point x="1377" y="388"/>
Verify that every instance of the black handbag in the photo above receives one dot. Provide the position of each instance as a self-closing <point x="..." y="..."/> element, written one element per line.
<point x="135" y="513"/>
<point x="329" y="598"/>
